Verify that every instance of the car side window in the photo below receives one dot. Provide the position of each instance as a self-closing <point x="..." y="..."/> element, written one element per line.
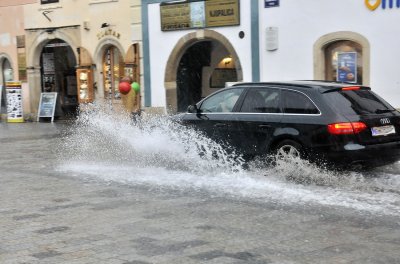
<point x="221" y="102"/>
<point x="262" y="100"/>
<point x="297" y="103"/>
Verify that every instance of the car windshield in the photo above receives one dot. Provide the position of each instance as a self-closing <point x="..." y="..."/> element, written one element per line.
<point x="359" y="102"/>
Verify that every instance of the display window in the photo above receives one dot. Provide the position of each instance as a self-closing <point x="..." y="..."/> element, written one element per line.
<point x="344" y="60"/>
<point x="7" y="76"/>
<point x="113" y="71"/>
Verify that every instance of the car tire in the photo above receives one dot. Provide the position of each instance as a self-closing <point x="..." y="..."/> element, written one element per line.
<point x="289" y="149"/>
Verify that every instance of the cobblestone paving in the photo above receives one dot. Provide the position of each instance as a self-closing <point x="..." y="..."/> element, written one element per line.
<point x="46" y="217"/>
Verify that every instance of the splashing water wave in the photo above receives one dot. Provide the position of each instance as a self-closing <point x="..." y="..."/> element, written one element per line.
<point x="159" y="152"/>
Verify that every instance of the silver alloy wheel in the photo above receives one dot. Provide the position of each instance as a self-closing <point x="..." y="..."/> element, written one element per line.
<point x="288" y="151"/>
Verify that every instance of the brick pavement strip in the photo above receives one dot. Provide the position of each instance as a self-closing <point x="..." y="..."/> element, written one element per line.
<point x="49" y="217"/>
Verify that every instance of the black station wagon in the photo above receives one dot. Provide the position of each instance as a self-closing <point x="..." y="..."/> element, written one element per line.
<point x="334" y="123"/>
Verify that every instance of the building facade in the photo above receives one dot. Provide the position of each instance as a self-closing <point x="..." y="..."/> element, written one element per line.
<point x="81" y="50"/>
<point x="206" y="44"/>
<point x="181" y="51"/>
<point x="12" y="48"/>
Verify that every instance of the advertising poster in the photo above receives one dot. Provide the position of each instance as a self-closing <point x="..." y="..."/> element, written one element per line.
<point x="47" y="105"/>
<point x="347" y="67"/>
<point x="197" y="15"/>
<point x="14" y="102"/>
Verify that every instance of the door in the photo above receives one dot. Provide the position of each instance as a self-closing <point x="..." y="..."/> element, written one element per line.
<point x="256" y="120"/>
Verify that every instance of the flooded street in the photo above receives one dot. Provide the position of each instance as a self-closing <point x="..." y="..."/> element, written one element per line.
<point x="104" y="190"/>
<point x="162" y="154"/>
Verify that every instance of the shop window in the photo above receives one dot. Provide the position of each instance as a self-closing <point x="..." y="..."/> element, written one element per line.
<point x="344" y="62"/>
<point x="113" y="71"/>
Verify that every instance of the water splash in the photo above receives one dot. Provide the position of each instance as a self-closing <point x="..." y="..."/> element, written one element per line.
<point x="159" y="152"/>
<point x="99" y="135"/>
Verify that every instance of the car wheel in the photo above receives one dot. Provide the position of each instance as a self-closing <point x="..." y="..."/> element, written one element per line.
<point x="288" y="150"/>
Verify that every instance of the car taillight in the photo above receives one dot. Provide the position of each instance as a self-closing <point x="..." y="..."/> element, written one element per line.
<point x="346" y="128"/>
<point x="351" y="88"/>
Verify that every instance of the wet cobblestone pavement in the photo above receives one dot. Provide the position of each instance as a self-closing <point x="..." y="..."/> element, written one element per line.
<point x="50" y="217"/>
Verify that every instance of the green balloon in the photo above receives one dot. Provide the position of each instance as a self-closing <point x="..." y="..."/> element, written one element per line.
<point x="135" y="86"/>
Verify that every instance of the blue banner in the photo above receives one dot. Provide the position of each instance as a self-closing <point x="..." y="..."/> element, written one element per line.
<point x="347" y="67"/>
<point x="271" y="3"/>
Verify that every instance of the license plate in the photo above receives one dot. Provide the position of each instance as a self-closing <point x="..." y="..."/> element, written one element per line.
<point x="383" y="130"/>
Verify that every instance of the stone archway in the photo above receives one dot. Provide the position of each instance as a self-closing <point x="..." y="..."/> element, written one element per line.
<point x="36" y="41"/>
<point x="184" y="43"/>
<point x="326" y="40"/>
<point x="98" y="59"/>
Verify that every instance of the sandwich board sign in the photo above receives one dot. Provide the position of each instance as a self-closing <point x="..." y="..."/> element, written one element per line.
<point x="47" y="105"/>
<point x="14" y="102"/>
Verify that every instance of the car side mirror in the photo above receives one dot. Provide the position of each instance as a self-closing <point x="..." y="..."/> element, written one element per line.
<point x="193" y="109"/>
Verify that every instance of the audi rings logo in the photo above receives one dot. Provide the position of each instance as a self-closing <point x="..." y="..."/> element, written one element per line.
<point x="385" y="121"/>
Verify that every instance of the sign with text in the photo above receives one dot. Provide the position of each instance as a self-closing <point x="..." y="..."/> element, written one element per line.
<point x="271" y="3"/>
<point x="199" y="14"/>
<point x="47" y="105"/>
<point x="43" y="2"/>
<point x="14" y="102"/>
<point x="347" y="67"/>
<point x="222" y="13"/>
<point x="374" y="4"/>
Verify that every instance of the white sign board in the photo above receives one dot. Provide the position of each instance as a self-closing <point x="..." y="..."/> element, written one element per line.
<point x="15" y="112"/>
<point x="47" y="105"/>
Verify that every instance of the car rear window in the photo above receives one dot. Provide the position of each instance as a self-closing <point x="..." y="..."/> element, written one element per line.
<point x="297" y="103"/>
<point x="358" y="102"/>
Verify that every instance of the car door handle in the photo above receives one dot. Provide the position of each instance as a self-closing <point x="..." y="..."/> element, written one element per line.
<point x="264" y="126"/>
<point x="220" y="125"/>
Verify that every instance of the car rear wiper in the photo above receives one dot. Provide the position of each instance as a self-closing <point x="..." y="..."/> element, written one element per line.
<point x="382" y="111"/>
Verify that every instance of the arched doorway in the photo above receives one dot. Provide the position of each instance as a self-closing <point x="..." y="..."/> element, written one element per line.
<point x="57" y="63"/>
<point x="328" y="50"/>
<point x="7" y="75"/>
<point x="201" y="63"/>
<point x="189" y="76"/>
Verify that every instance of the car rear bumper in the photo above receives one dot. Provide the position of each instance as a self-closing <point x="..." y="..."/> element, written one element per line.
<point x="367" y="155"/>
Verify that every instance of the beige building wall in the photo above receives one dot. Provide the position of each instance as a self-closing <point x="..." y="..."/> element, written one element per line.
<point x="11" y="26"/>
<point x="79" y="23"/>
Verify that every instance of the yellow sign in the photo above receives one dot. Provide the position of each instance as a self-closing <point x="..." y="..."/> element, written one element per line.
<point x="222" y="13"/>
<point x="175" y="16"/>
<point x="108" y="32"/>
<point x="372" y="6"/>
<point x="199" y="14"/>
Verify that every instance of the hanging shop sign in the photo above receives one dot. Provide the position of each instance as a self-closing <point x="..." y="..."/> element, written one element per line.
<point x="14" y="102"/>
<point x="199" y="14"/>
<point x="374" y="4"/>
<point x="347" y="67"/>
<point x="43" y="2"/>
<point x="47" y="105"/>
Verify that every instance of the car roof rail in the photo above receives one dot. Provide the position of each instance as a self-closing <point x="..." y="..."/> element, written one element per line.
<point x="283" y="84"/>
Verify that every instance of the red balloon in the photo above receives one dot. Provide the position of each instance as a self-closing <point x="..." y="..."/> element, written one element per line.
<point x="124" y="87"/>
